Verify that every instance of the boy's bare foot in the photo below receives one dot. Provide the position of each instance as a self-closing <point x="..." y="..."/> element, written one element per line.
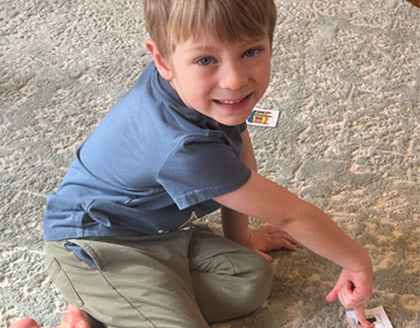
<point x="25" y="323"/>
<point x="74" y="318"/>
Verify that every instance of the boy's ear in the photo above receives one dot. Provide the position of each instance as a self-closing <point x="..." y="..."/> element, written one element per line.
<point x="161" y="63"/>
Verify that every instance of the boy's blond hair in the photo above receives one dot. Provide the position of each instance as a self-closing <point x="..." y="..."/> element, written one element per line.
<point x="171" y="22"/>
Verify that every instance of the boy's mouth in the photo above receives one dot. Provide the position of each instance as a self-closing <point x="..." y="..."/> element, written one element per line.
<point x="233" y="102"/>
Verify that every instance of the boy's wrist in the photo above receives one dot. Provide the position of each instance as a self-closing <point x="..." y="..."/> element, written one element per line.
<point x="364" y="262"/>
<point x="242" y="239"/>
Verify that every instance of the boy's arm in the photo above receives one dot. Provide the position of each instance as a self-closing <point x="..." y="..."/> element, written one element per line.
<point x="271" y="203"/>
<point x="248" y="156"/>
<point x="235" y="224"/>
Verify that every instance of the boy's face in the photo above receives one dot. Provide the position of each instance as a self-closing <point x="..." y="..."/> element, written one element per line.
<point x="223" y="81"/>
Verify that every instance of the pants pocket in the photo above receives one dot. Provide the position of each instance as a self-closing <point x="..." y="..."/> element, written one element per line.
<point x="81" y="254"/>
<point x="64" y="284"/>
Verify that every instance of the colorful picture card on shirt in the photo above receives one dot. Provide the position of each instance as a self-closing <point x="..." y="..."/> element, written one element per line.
<point x="263" y="117"/>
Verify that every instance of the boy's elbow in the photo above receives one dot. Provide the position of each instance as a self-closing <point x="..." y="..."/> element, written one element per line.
<point x="300" y="210"/>
<point x="269" y="202"/>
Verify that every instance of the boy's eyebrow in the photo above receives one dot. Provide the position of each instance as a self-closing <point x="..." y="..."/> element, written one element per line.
<point x="207" y="47"/>
<point x="202" y="47"/>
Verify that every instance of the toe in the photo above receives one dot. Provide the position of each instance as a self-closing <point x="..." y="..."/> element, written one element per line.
<point x="25" y="323"/>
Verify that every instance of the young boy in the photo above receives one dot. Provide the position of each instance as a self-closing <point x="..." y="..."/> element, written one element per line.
<point x="120" y="242"/>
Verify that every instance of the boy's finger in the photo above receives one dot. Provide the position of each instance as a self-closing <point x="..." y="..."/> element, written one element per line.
<point x="287" y="236"/>
<point x="264" y="255"/>
<point x="290" y="246"/>
<point x="291" y="240"/>
<point x="279" y="233"/>
<point x="332" y="295"/>
<point x="360" y="314"/>
<point x="349" y="287"/>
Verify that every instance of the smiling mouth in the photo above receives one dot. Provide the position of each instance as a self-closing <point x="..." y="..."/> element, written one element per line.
<point x="232" y="101"/>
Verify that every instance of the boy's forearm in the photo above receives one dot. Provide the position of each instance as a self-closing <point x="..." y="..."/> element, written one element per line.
<point x="273" y="204"/>
<point x="318" y="232"/>
<point x="235" y="225"/>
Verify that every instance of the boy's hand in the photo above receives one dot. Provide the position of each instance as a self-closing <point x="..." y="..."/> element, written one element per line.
<point x="353" y="289"/>
<point x="268" y="238"/>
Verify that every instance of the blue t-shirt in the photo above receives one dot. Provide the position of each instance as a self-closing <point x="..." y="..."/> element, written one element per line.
<point x="148" y="166"/>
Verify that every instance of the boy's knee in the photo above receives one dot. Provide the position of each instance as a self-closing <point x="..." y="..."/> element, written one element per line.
<point x="260" y="281"/>
<point x="238" y="294"/>
<point x="255" y="286"/>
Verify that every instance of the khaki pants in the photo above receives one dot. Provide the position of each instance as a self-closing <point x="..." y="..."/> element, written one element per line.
<point x="183" y="279"/>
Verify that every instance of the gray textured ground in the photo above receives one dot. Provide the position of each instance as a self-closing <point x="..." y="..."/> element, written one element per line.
<point x="346" y="81"/>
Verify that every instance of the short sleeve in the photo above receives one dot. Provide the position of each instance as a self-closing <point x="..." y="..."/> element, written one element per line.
<point x="201" y="168"/>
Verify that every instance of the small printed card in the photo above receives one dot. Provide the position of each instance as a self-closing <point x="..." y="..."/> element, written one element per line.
<point x="377" y="316"/>
<point x="263" y="117"/>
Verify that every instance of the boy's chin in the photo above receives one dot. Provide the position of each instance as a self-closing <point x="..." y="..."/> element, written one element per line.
<point x="228" y="118"/>
<point x="232" y="121"/>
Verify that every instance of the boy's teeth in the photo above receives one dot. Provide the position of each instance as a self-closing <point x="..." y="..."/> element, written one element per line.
<point x="228" y="102"/>
<point x="231" y="102"/>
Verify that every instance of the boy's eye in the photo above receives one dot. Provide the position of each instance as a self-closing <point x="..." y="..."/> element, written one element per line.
<point x="205" y="61"/>
<point x="250" y="52"/>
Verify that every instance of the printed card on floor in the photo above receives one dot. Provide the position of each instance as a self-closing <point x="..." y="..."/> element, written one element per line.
<point x="263" y="117"/>
<point x="377" y="316"/>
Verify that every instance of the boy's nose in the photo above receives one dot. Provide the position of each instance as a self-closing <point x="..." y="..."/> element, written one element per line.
<point x="233" y="77"/>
